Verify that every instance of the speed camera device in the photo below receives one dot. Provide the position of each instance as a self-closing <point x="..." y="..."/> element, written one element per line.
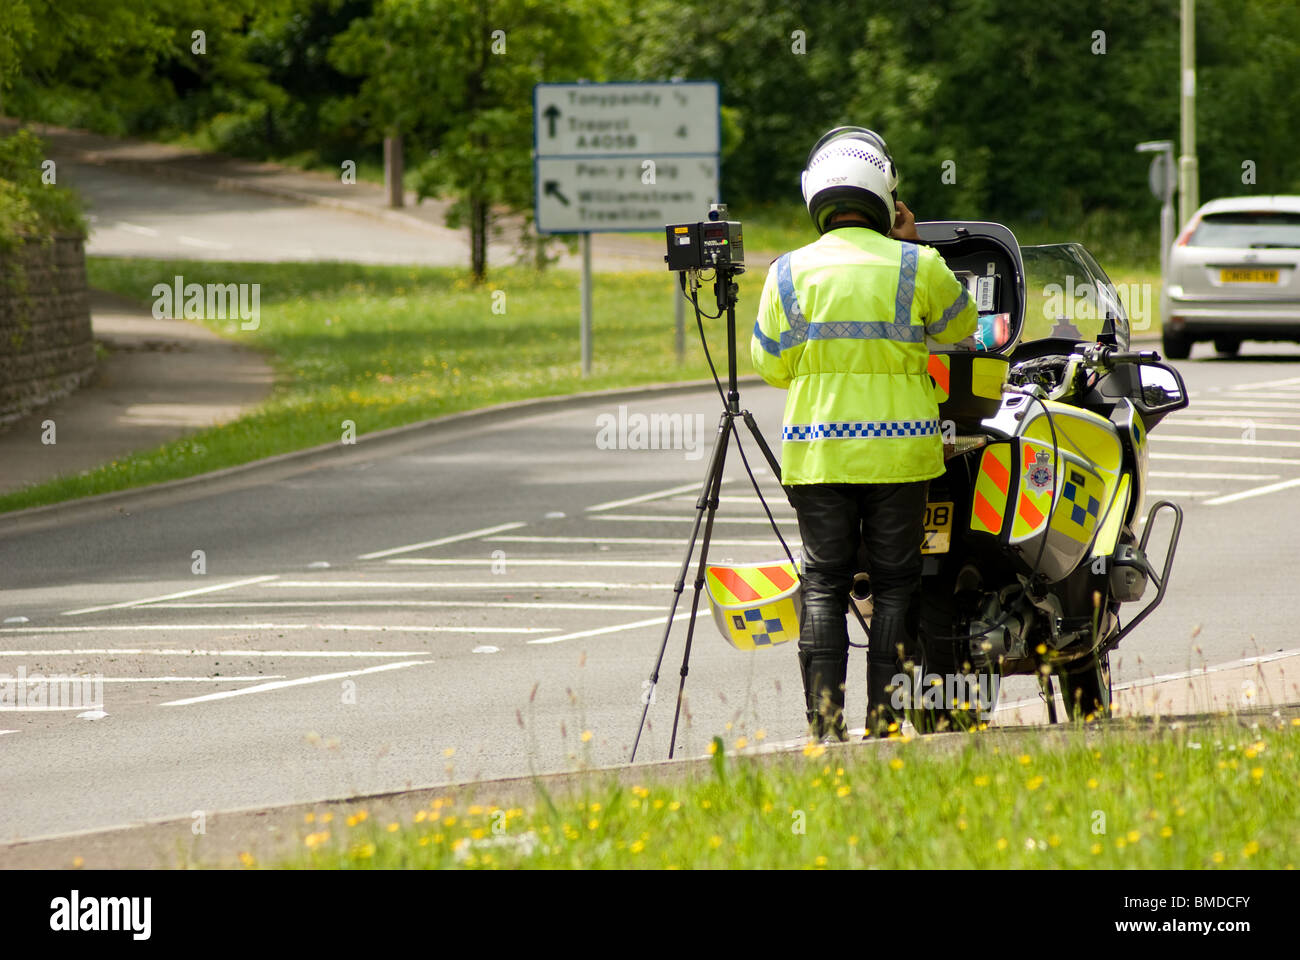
<point x="706" y="244"/>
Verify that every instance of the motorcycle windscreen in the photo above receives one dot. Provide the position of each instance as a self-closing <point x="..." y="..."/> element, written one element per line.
<point x="1068" y="296"/>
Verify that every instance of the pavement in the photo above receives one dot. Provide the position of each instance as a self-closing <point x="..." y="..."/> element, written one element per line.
<point x="468" y="601"/>
<point x="155" y="381"/>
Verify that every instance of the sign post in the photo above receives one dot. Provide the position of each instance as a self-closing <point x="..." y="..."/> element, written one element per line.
<point x="1162" y="179"/>
<point x="622" y="157"/>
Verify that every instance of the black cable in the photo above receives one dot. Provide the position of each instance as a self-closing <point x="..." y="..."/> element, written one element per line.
<point x="717" y="381"/>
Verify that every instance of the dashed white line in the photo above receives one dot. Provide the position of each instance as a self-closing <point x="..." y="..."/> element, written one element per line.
<point x="689" y="518"/>
<point x="1248" y="404"/>
<point x="1266" y="383"/>
<point x="668" y="541"/>
<point x="1220" y="458"/>
<point x="455" y="538"/>
<point x="537" y="562"/>
<point x="473" y="604"/>
<point x="1237" y="424"/>
<point x="499" y="584"/>
<point x="1241" y="442"/>
<point x="136" y="228"/>
<point x="617" y="628"/>
<point x="299" y="682"/>
<point x="164" y="652"/>
<point x="205" y="244"/>
<point x="170" y="596"/>
<point x="248" y="627"/>
<point x="249" y="679"/>
<point x="1255" y="492"/>
<point x="1177" y="475"/>
<point x="657" y="495"/>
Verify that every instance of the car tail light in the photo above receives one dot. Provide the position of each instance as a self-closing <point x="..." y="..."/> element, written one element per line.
<point x="1176" y="321"/>
<point x="1187" y="232"/>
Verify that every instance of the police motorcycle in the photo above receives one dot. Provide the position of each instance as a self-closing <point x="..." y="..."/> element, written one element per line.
<point x="1036" y="547"/>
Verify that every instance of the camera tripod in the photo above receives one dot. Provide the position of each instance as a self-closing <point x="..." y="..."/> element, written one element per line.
<point x="706" y="506"/>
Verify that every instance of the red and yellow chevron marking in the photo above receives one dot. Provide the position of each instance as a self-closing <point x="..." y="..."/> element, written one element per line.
<point x="991" y="486"/>
<point x="939" y="371"/>
<point x="743" y="585"/>
<point x="1034" y="501"/>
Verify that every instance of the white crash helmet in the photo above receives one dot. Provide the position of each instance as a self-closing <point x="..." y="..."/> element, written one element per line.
<point x="850" y="170"/>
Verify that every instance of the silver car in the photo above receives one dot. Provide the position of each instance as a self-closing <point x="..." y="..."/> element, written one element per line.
<point x="1234" y="275"/>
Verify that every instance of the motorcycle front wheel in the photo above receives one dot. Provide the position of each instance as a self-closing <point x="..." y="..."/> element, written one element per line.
<point x="1086" y="688"/>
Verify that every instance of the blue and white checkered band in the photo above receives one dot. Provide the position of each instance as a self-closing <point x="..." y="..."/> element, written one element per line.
<point x="867" y="429"/>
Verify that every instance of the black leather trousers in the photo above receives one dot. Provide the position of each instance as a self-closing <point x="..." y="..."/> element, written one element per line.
<point x="841" y="524"/>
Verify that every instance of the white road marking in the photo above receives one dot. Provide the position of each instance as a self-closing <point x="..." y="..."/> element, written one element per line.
<point x="135" y="228"/>
<point x="540" y="562"/>
<point x="1217" y="458"/>
<point x="633" y="540"/>
<point x="486" y="648"/>
<point x="1256" y="492"/>
<point x="1267" y="383"/>
<point x="1166" y="677"/>
<point x="164" y="652"/>
<point x="205" y="244"/>
<point x="44" y="708"/>
<point x="732" y="499"/>
<point x="471" y="535"/>
<point x="1248" y="404"/>
<point x="3" y="732"/>
<point x="1181" y="493"/>
<point x="245" y="627"/>
<point x="618" y="627"/>
<point x="170" y="596"/>
<point x="249" y="679"/>
<point x="1237" y="424"/>
<point x="1232" y="440"/>
<point x="1175" y="475"/>
<point x="657" y="495"/>
<point x="500" y="584"/>
<point x="299" y="682"/>
<point x="472" y="604"/>
<point x="1268" y="396"/>
<point x="690" y="518"/>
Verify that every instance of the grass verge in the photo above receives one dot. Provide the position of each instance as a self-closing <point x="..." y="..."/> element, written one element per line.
<point x="1120" y="795"/>
<point x="386" y="346"/>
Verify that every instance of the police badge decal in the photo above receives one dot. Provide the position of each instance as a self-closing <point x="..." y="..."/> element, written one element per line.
<point x="1040" y="474"/>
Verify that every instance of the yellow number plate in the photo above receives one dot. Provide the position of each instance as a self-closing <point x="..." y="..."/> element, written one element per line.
<point x="1248" y="276"/>
<point x="938" y="527"/>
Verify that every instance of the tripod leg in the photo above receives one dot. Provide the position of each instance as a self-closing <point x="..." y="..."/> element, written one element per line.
<point x="762" y="445"/>
<point x="708" y="494"/>
<point x="728" y="426"/>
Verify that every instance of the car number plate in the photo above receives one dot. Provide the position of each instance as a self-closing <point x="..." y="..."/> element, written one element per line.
<point x="938" y="527"/>
<point x="1247" y="276"/>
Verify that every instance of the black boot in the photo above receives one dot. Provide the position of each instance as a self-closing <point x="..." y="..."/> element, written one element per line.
<point x="884" y="666"/>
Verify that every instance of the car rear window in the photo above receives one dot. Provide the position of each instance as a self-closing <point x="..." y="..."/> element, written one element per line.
<point x="1262" y="229"/>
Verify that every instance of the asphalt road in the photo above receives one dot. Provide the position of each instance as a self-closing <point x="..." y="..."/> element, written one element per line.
<point x="486" y="601"/>
<point x="139" y="216"/>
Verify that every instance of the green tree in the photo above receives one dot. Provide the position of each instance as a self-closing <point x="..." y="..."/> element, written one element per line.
<point x="456" y="79"/>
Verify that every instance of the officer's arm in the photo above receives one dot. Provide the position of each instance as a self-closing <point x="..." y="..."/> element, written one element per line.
<point x="952" y="314"/>
<point x="765" y="346"/>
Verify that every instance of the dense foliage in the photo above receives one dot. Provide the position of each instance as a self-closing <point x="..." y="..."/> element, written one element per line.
<point x="994" y="108"/>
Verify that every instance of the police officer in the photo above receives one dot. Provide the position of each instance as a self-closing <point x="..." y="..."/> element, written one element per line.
<point x="842" y="324"/>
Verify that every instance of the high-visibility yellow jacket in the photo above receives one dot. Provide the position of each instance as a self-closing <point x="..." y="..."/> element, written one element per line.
<point x="843" y="324"/>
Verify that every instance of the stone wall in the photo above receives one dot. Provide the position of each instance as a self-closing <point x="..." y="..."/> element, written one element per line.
<point x="46" y="346"/>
